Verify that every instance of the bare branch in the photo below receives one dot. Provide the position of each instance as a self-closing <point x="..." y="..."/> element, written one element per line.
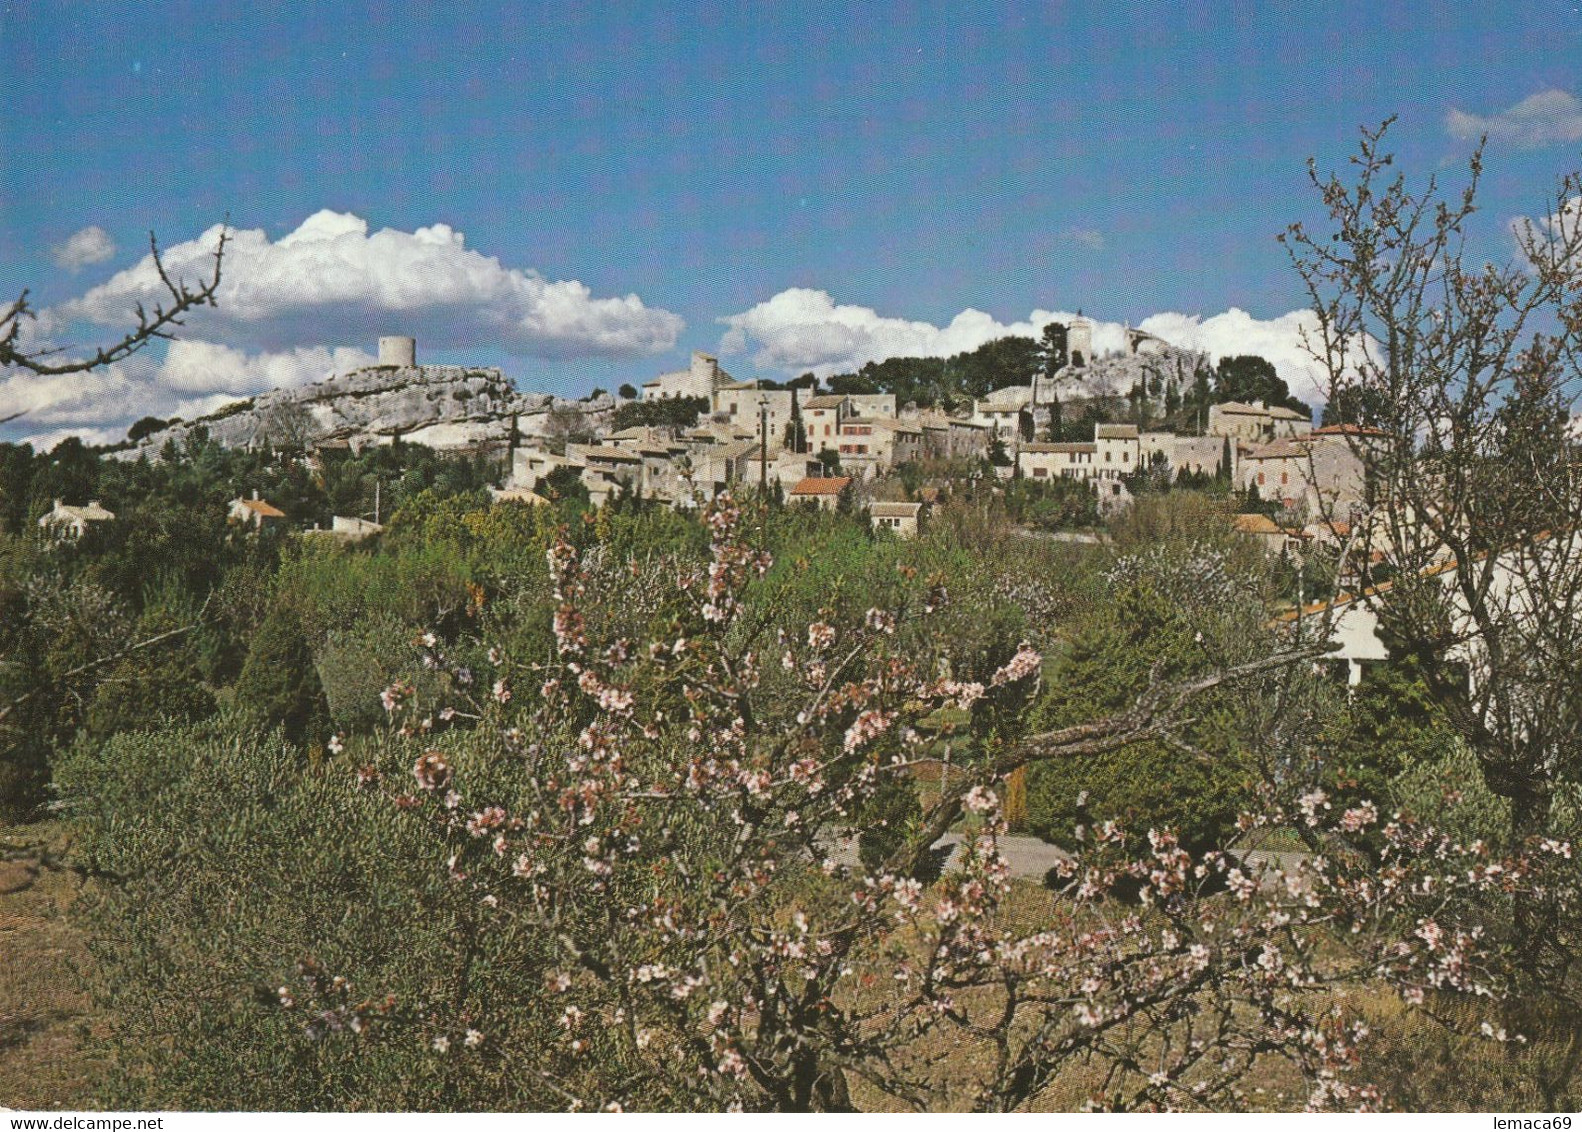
<point x="151" y="325"/>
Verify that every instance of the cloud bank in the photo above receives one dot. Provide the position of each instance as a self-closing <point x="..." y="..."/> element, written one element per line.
<point x="801" y="330"/>
<point x="1550" y="117"/>
<point x="194" y="378"/>
<point x="331" y="280"/>
<point x="83" y="247"/>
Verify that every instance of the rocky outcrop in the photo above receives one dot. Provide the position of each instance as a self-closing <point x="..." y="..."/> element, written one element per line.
<point x="1114" y="375"/>
<point x="446" y="407"/>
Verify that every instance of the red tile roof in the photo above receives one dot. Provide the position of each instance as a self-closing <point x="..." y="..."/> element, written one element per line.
<point x="822" y="485"/>
<point x="259" y="507"/>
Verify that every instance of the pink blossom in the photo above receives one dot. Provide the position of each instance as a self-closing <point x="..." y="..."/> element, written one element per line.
<point x="980" y="800"/>
<point x="1019" y="667"/>
<point x="820" y="636"/>
<point x="867" y="727"/>
<point x="432" y="771"/>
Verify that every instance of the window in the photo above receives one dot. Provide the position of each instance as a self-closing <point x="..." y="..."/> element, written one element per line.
<point x="1126" y="457"/>
<point x="1285" y="478"/>
<point x="1040" y="473"/>
<point x="1108" y="455"/>
<point x="1260" y="479"/>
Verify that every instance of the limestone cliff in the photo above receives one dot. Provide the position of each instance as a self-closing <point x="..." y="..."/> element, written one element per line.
<point x="444" y="407"/>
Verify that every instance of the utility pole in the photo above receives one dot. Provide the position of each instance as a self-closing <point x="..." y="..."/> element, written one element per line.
<point x="763" y="443"/>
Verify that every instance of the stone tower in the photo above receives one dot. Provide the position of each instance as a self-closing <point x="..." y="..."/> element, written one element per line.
<point x="398" y="351"/>
<point x="1079" y="340"/>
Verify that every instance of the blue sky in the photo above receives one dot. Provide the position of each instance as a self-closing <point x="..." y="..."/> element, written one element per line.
<point x="688" y="164"/>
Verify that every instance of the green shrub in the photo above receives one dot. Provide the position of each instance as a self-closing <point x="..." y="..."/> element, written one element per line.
<point x="1138" y="636"/>
<point x="279" y="685"/>
<point x="227" y="858"/>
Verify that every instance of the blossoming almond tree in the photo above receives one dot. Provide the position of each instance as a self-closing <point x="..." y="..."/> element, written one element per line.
<point x="1461" y="382"/>
<point x="666" y="916"/>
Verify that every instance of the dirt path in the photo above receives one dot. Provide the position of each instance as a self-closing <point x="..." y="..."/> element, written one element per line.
<point x="43" y="1009"/>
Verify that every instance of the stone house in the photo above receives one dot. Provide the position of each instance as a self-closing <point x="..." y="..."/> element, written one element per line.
<point x="1063" y="460"/>
<point x="1274" y="538"/>
<point x="726" y="464"/>
<point x="822" y="416"/>
<point x="1256" y="422"/>
<point x="517" y="495"/>
<point x="64" y="522"/>
<point x="874" y="406"/>
<point x="700" y="379"/>
<point x="1118" y="449"/>
<point x="871" y="447"/>
<point x="255" y="512"/>
<point x="824" y="492"/>
<point x="900" y="519"/>
<point x="608" y="471"/>
<point x="787" y="469"/>
<point x="739" y="405"/>
<point x="352" y="529"/>
<point x="530" y="465"/>
<point x="1323" y="473"/>
<point x="1002" y="411"/>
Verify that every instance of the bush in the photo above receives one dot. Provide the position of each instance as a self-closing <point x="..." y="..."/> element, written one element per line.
<point x="279" y="685"/>
<point x="355" y="665"/>
<point x="228" y="858"/>
<point x="1138" y="636"/>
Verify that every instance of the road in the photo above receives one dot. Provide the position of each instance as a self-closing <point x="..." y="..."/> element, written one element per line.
<point x="1031" y="858"/>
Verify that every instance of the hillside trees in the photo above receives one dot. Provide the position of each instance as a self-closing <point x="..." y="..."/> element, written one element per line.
<point x="1248" y="377"/>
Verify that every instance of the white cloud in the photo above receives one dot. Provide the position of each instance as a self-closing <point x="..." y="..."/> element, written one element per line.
<point x="1277" y="340"/>
<point x="801" y="330"/>
<point x="82" y="398"/>
<point x="194" y="378"/>
<point x="1546" y="240"/>
<point x="192" y="366"/>
<point x="46" y="441"/>
<point x="331" y="280"/>
<point x="1546" y="118"/>
<point x="83" y="247"/>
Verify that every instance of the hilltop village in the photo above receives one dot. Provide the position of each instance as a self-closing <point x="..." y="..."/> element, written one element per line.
<point x="1111" y="423"/>
<point x="1086" y="419"/>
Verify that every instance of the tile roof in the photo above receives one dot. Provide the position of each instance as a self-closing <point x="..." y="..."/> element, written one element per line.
<point x="821" y="485"/>
<point x="1348" y="430"/>
<point x="1275" y="450"/>
<point x="1256" y="525"/>
<point x="895" y="510"/>
<point x="260" y="507"/>
<point x="1278" y="412"/>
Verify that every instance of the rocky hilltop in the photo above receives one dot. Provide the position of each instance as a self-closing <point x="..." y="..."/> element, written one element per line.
<point x="444" y="407"/>
<point x="1114" y="375"/>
